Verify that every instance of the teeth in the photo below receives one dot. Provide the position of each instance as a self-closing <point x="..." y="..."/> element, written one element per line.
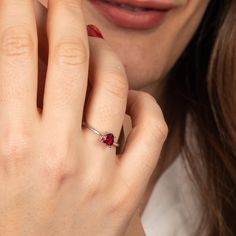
<point x="127" y="7"/>
<point x="130" y="8"/>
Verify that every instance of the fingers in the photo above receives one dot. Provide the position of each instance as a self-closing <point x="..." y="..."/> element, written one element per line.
<point x="106" y="102"/>
<point x="18" y="60"/>
<point x="144" y="142"/>
<point x="66" y="79"/>
<point x="41" y="19"/>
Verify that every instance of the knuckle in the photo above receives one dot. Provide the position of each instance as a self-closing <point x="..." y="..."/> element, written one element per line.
<point x="15" y="146"/>
<point x="119" y="203"/>
<point x="158" y="128"/>
<point x="116" y="82"/>
<point x="93" y="184"/>
<point x="16" y="41"/>
<point x="69" y="3"/>
<point x="58" y="162"/>
<point x="156" y="121"/>
<point x="71" y="53"/>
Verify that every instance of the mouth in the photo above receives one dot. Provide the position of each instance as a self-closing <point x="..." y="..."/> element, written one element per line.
<point x="133" y="14"/>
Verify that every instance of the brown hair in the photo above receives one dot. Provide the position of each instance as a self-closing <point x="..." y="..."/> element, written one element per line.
<point x="202" y="84"/>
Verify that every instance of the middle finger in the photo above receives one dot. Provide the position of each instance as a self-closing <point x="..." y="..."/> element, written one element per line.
<point x="67" y="73"/>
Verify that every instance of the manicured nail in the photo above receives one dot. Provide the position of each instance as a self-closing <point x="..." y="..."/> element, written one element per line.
<point x="94" y="31"/>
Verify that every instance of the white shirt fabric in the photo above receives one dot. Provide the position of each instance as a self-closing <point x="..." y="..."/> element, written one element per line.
<point x="173" y="208"/>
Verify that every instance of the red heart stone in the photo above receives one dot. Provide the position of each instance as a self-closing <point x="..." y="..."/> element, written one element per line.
<point x="108" y="139"/>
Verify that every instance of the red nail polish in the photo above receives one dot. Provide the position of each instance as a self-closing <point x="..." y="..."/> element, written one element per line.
<point x="94" y="31"/>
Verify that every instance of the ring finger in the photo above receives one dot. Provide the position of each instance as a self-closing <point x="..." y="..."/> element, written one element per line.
<point x="106" y="103"/>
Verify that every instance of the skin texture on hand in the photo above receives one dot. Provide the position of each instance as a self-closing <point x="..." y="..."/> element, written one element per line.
<point x="56" y="178"/>
<point x="135" y="226"/>
<point x="165" y="42"/>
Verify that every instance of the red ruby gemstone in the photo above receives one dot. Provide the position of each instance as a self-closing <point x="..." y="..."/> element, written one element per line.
<point x="108" y="139"/>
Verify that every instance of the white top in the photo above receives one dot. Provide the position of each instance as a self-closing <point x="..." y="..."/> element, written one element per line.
<point x="173" y="208"/>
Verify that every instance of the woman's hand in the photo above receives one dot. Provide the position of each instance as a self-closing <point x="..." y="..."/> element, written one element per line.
<point x="56" y="178"/>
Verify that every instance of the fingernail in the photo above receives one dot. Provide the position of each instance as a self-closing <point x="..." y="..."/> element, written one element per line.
<point x="130" y="87"/>
<point x="94" y="31"/>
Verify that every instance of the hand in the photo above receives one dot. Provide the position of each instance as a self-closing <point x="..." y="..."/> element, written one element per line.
<point x="135" y="226"/>
<point x="56" y="178"/>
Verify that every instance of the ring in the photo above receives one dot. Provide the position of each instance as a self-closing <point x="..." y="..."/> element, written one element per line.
<point x="107" y="138"/>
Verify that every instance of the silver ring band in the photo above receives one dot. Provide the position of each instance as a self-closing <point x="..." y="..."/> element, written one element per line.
<point x="107" y="138"/>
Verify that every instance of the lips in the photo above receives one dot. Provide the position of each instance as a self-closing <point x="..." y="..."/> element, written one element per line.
<point x="148" y="5"/>
<point x="134" y="14"/>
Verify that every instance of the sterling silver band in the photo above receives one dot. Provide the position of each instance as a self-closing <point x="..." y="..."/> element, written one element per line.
<point x="101" y="135"/>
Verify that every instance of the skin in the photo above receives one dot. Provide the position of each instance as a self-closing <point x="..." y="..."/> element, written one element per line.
<point x="160" y="47"/>
<point x="51" y="182"/>
<point x="59" y="191"/>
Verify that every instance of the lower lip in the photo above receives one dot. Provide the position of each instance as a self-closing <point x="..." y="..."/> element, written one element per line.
<point x="129" y="19"/>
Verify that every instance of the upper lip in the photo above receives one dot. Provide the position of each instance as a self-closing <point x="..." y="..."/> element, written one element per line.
<point x="157" y="5"/>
